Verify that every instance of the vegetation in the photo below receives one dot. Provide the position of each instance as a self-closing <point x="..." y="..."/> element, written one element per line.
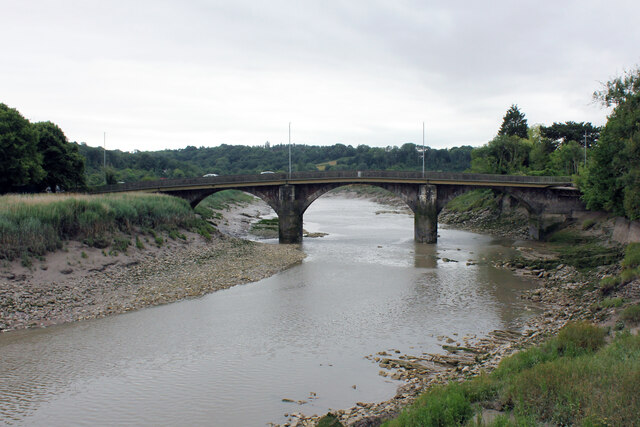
<point x="473" y="200"/>
<point x="518" y="149"/>
<point x="571" y="379"/>
<point x="35" y="157"/>
<point x="611" y="180"/>
<point x="237" y="159"/>
<point x="34" y="225"/>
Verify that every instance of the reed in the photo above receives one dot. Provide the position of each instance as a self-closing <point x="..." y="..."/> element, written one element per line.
<point x="36" y="224"/>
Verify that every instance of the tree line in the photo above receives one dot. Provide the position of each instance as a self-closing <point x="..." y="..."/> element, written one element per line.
<point x="241" y="159"/>
<point x="36" y="157"/>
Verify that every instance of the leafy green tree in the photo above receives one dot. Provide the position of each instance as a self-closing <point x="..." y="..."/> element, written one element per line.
<point x="502" y="155"/>
<point x="514" y="123"/>
<point x="63" y="165"/>
<point x="611" y="181"/>
<point x="567" y="158"/>
<point x="20" y="162"/>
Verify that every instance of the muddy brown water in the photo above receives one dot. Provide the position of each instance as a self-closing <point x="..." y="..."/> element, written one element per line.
<point x="231" y="357"/>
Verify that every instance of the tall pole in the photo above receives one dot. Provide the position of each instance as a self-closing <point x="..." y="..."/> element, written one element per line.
<point x="289" y="150"/>
<point x="423" y="175"/>
<point x="585" y="148"/>
<point x="104" y="162"/>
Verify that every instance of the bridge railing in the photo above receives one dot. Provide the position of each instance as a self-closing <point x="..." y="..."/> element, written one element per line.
<point x="351" y="175"/>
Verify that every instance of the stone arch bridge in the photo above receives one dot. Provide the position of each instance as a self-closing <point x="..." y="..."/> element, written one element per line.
<point x="547" y="199"/>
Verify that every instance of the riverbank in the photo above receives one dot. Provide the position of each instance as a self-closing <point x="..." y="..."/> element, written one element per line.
<point x="83" y="283"/>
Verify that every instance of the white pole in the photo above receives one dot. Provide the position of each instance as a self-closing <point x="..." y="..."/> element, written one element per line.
<point x="423" y="175"/>
<point x="289" y="150"/>
<point x="104" y="165"/>
<point x="585" y="148"/>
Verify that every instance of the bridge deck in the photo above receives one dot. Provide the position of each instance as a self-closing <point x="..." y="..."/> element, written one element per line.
<point x="346" y="177"/>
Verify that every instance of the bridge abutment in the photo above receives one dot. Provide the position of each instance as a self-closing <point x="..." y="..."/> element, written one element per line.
<point x="425" y="215"/>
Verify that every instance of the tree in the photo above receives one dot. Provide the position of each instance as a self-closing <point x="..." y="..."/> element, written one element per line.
<point x="514" y="123"/>
<point x="611" y="179"/>
<point x="63" y="165"/>
<point x="503" y="155"/>
<point x="19" y="157"/>
<point x="561" y="133"/>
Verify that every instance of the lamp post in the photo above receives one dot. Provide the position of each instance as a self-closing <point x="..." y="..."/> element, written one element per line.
<point x="289" y="150"/>
<point x="423" y="175"/>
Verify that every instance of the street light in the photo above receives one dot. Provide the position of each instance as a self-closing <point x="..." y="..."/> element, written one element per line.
<point x="423" y="150"/>
<point x="289" y="150"/>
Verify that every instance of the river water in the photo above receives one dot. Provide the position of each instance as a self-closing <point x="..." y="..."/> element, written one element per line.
<point x="231" y="357"/>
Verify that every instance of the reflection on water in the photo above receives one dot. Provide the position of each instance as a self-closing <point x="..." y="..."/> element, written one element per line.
<point x="230" y="358"/>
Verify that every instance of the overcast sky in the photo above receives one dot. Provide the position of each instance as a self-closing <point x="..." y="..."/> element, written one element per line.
<point x="167" y="74"/>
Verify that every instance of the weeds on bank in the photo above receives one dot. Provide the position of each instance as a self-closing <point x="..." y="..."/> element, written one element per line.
<point x="571" y="379"/>
<point x="37" y="224"/>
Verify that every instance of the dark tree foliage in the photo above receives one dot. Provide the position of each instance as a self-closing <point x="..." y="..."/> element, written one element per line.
<point x="63" y="165"/>
<point x="34" y="157"/>
<point x="514" y="123"/>
<point x="561" y="133"/>
<point x="612" y="178"/>
<point x="20" y="161"/>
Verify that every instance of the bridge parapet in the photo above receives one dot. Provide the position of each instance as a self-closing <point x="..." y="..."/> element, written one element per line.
<point x="351" y="176"/>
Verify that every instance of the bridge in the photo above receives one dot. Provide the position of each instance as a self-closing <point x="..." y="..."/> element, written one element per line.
<point x="548" y="199"/>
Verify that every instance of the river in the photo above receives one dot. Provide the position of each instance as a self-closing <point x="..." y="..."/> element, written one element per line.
<point x="231" y="357"/>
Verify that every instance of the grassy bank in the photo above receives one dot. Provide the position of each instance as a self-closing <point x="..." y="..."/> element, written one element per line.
<point x="211" y="207"/>
<point x="571" y="379"/>
<point x="36" y="224"/>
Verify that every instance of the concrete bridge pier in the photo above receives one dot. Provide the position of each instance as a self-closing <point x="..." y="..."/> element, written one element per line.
<point x="425" y="214"/>
<point x="289" y="212"/>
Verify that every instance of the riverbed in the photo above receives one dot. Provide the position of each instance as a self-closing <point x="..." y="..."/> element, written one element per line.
<point x="294" y="342"/>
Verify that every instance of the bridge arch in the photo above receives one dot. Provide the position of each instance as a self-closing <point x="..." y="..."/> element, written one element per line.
<point x="392" y="189"/>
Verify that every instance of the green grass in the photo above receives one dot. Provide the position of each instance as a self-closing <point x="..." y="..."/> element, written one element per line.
<point x="571" y="379"/>
<point x="38" y="224"/>
<point x="473" y="200"/>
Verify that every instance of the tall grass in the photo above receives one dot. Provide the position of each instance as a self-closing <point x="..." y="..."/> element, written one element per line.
<point x="37" y="224"/>
<point x="571" y="379"/>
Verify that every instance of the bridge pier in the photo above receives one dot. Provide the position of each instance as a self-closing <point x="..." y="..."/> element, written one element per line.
<point x="289" y="215"/>
<point x="425" y="215"/>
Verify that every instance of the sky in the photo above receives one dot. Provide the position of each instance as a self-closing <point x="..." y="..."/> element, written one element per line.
<point x="150" y="75"/>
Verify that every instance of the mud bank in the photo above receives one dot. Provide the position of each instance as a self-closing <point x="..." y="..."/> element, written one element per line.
<point x="84" y="283"/>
